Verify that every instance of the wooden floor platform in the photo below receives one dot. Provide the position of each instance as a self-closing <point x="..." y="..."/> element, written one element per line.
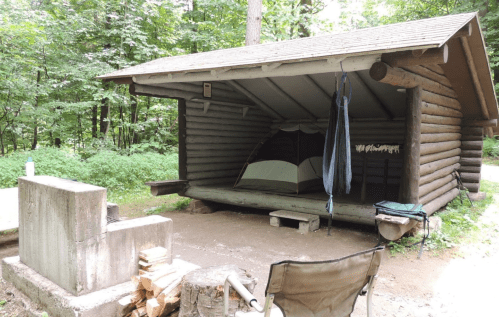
<point x="346" y="208"/>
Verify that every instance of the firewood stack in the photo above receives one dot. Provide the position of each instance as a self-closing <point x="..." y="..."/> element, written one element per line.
<point x="157" y="287"/>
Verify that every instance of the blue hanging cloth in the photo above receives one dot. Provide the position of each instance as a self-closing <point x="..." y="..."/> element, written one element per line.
<point x="336" y="164"/>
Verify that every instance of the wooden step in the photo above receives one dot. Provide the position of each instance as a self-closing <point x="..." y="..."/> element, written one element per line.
<point x="307" y="222"/>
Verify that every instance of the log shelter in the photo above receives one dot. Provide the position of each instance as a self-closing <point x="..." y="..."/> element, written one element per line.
<point x="423" y="98"/>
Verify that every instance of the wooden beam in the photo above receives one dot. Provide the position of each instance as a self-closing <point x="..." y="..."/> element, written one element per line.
<point x="182" y="147"/>
<point x="425" y="72"/>
<point x="480" y="123"/>
<point x="321" y="66"/>
<point x="407" y="58"/>
<point x="215" y="92"/>
<point x="465" y="31"/>
<point x="441" y="100"/>
<point x="474" y="76"/>
<point x="160" y="188"/>
<point x="288" y="97"/>
<point x="398" y="77"/>
<point x="380" y="105"/>
<point x="312" y="83"/>
<point x="120" y="81"/>
<point x="410" y="171"/>
<point x="255" y="99"/>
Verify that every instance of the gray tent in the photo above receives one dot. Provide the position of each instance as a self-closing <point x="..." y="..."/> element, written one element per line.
<point x="289" y="162"/>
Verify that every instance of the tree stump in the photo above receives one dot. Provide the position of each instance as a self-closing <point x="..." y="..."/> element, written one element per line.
<point x="202" y="292"/>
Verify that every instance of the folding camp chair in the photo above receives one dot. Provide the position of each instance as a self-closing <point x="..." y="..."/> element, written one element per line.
<point x="313" y="289"/>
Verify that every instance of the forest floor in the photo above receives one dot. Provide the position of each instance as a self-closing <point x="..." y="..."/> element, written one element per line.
<point x="455" y="282"/>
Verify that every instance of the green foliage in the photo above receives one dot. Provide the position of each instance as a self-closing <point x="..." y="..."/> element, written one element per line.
<point x="107" y="169"/>
<point x="182" y="203"/>
<point x="460" y="221"/>
<point x="490" y="147"/>
<point x="2" y="303"/>
<point x="44" y="314"/>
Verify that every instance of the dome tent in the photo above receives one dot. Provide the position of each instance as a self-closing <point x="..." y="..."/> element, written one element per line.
<point x="289" y="162"/>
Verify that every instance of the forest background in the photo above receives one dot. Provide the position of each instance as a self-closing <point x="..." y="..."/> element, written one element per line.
<point x="74" y="126"/>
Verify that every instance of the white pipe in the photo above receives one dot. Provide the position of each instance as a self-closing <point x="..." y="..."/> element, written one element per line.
<point x="241" y="290"/>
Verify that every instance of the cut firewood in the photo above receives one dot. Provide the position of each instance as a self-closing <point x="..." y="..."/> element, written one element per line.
<point x="147" y="279"/>
<point x="142" y="272"/>
<point x="163" y="259"/>
<point x="175" y="313"/>
<point x="170" y="305"/>
<point x="141" y="304"/>
<point x="161" y="284"/>
<point x="137" y="282"/>
<point x="125" y="305"/>
<point x="149" y="294"/>
<point x="152" y="254"/>
<point x="139" y="312"/>
<point x="153" y="308"/>
<point x="173" y="290"/>
<point x="137" y="296"/>
<point x="153" y="267"/>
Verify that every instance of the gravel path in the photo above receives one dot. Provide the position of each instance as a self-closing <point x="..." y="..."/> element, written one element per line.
<point x="490" y="173"/>
<point x="9" y="216"/>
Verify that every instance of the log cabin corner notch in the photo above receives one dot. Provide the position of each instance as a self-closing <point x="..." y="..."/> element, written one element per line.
<point x="413" y="84"/>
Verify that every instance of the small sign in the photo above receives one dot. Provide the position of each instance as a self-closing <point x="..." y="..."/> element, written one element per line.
<point x="207" y="90"/>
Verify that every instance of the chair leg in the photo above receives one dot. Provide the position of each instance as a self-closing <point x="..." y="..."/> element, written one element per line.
<point x="370" y="288"/>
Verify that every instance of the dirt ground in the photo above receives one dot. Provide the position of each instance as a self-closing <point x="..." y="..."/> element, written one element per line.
<point x="451" y="283"/>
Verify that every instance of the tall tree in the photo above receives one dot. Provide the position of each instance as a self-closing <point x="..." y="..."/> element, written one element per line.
<point x="254" y="22"/>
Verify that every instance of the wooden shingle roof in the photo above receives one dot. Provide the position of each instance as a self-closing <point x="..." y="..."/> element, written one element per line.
<point x="427" y="33"/>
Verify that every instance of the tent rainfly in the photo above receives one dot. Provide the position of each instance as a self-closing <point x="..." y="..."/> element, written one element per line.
<point x="422" y="99"/>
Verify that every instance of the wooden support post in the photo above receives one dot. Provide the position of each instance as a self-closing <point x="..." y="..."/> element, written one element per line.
<point x="410" y="171"/>
<point x="363" y="191"/>
<point x="182" y="147"/>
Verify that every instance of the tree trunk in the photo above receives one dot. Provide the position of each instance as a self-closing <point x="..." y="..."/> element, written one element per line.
<point x="2" y="147"/>
<point x="133" y="119"/>
<point x="254" y="22"/>
<point x="35" y="130"/>
<point x="94" y="121"/>
<point x="305" y="9"/>
<point x="120" y="129"/>
<point x="104" y="115"/>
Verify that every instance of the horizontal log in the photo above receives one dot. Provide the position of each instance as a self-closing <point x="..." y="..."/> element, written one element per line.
<point x="425" y="72"/>
<point x="472" y="187"/>
<point x="428" y="118"/>
<point x="439" y="128"/>
<point x="471" y="161"/>
<point x="471" y="145"/>
<point x="438" y="174"/>
<point x="218" y="154"/>
<point x="217" y="147"/>
<point x="436" y="110"/>
<point x="221" y="140"/>
<point x="472" y="138"/>
<point x="382" y="124"/>
<point x="431" y="167"/>
<point x="438" y="192"/>
<point x="218" y="133"/>
<point x="472" y="131"/>
<point x="194" y="168"/>
<point x="220" y="108"/>
<point x="213" y="174"/>
<point x="441" y="201"/>
<point x="363" y="131"/>
<point x="200" y="118"/>
<point x="480" y="123"/>
<point x="441" y="100"/>
<point x="160" y="188"/>
<point x="224" y="181"/>
<point x="431" y="186"/>
<point x="470" y="177"/>
<point x="470" y="169"/>
<point x="220" y="159"/>
<point x="377" y="138"/>
<point x="439" y="137"/>
<point x="217" y="90"/>
<point x="438" y="156"/>
<point x="406" y="58"/>
<point x="430" y="148"/>
<point x="224" y="115"/>
<point x="226" y="128"/>
<point x="383" y="73"/>
<point x="436" y="68"/>
<point x="351" y="212"/>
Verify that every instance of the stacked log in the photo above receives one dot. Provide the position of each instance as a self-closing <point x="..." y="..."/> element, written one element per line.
<point x="440" y="148"/>
<point x="156" y="293"/>
<point x="219" y="139"/>
<point x="471" y="157"/>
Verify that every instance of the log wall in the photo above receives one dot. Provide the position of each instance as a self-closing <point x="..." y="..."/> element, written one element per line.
<point x="440" y="149"/>
<point x="219" y="140"/>
<point x="471" y="156"/>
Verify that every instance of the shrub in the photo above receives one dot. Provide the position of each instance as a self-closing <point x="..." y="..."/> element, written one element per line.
<point x="490" y="147"/>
